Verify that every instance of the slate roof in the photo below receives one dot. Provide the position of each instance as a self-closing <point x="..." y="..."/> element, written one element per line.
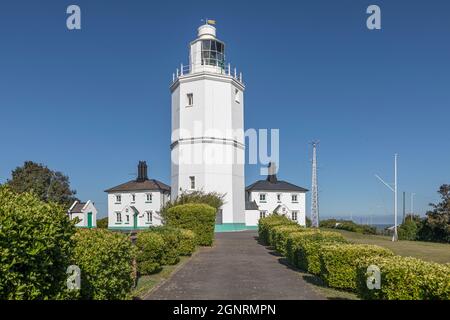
<point x="264" y="185"/>
<point x="251" y="205"/>
<point x="146" y="185"/>
<point x="78" y="207"/>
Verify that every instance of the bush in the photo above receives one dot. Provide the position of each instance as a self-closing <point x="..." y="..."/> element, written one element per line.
<point x="197" y="217"/>
<point x="171" y="248"/>
<point x="339" y="262"/>
<point x="266" y="224"/>
<point x="106" y="262"/>
<point x="150" y="252"/>
<point x="303" y="250"/>
<point x="187" y="242"/>
<point x="213" y="199"/>
<point x="405" y="278"/>
<point x="102" y="223"/>
<point x="348" y="226"/>
<point x="35" y="247"/>
<point x="408" y="230"/>
<point x="279" y="235"/>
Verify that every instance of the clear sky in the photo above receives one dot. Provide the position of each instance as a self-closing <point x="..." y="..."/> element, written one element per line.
<point x="92" y="103"/>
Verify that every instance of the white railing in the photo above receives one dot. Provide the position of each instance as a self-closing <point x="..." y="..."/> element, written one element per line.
<point x="190" y="69"/>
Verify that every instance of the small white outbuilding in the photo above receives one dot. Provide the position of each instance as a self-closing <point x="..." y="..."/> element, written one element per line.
<point x="85" y="212"/>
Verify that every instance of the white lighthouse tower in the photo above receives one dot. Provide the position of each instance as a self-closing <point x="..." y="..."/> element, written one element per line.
<point x="208" y="147"/>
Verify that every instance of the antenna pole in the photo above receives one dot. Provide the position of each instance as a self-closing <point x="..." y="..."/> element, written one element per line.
<point x="314" y="192"/>
<point x="395" y="237"/>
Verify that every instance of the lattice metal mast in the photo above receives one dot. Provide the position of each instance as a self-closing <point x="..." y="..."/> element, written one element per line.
<point x="314" y="191"/>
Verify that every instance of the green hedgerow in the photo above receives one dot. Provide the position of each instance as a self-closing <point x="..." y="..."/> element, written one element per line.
<point x="187" y="242"/>
<point x="405" y="278"/>
<point x="197" y="217"/>
<point x="265" y="226"/>
<point x="150" y="252"/>
<point x="106" y="262"/>
<point x="35" y="247"/>
<point x="172" y="238"/>
<point x="339" y="262"/>
<point x="304" y="249"/>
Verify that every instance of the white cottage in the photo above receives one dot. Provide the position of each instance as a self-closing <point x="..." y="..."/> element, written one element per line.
<point x="136" y="204"/>
<point x="275" y="196"/>
<point x="85" y="212"/>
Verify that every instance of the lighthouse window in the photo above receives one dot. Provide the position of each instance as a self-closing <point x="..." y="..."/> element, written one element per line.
<point x="213" y="53"/>
<point x="190" y="99"/>
<point x="192" y="182"/>
<point x="236" y="96"/>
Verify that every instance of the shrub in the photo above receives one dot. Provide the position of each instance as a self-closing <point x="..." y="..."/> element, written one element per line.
<point x="106" y="262"/>
<point x="408" y="230"/>
<point x="197" y="217"/>
<point x="405" y="278"/>
<point x="35" y="247"/>
<point x="171" y="248"/>
<point x="339" y="262"/>
<point x="150" y="252"/>
<point x="187" y="242"/>
<point x="303" y="250"/>
<point x="213" y="199"/>
<point x="265" y="225"/>
<point x="102" y="223"/>
<point x="279" y="235"/>
<point x="348" y="226"/>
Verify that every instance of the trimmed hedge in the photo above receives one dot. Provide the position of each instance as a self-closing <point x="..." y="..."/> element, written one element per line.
<point x="405" y="278"/>
<point x="197" y="217"/>
<point x="150" y="251"/>
<point x="187" y="242"/>
<point x="172" y="241"/>
<point x="266" y="224"/>
<point x="280" y="235"/>
<point x="304" y="249"/>
<point x="339" y="262"/>
<point x="35" y="247"/>
<point x="105" y="259"/>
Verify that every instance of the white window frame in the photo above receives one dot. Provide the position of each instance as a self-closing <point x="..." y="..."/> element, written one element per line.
<point x="237" y="95"/>
<point x="149" y="198"/>
<point x="294" y="196"/>
<point x="119" y="217"/>
<point x="192" y="182"/>
<point x="189" y="100"/>
<point x="262" y="214"/>
<point x="133" y="198"/>
<point x="149" y="217"/>
<point x="261" y="196"/>
<point x="294" y="215"/>
<point x="279" y="197"/>
<point x="118" y="198"/>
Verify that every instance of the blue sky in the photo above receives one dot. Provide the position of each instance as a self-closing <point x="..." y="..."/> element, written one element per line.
<point x="92" y="103"/>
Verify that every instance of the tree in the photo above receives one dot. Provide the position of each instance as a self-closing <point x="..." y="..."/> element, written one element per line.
<point x="102" y="223"/>
<point x="47" y="185"/>
<point x="436" y="227"/>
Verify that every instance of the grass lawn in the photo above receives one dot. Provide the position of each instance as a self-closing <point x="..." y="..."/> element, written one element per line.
<point x="147" y="283"/>
<point x="429" y="251"/>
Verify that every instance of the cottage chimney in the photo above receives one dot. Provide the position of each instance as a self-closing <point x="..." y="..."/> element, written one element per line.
<point x="272" y="176"/>
<point x="142" y="171"/>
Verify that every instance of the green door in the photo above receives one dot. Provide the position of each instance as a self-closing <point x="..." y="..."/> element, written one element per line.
<point x="135" y="222"/>
<point x="89" y="217"/>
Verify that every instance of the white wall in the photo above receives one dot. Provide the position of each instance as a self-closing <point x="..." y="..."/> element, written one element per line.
<point x="83" y="216"/>
<point x="251" y="218"/>
<point x="286" y="199"/>
<point x="216" y="166"/>
<point x="141" y="204"/>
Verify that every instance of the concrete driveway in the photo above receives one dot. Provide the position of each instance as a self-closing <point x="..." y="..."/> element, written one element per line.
<point x="236" y="268"/>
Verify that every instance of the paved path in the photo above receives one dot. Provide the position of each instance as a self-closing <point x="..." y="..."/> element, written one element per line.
<point x="236" y="268"/>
